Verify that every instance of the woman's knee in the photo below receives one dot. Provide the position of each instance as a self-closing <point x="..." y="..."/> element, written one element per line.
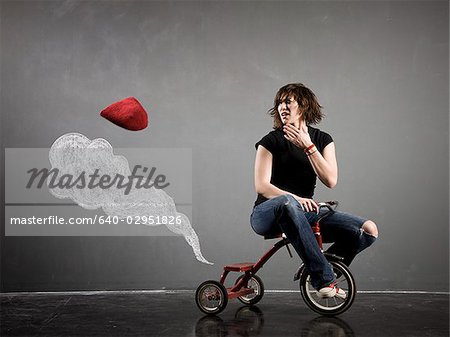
<point x="370" y="228"/>
<point x="291" y="206"/>
<point x="287" y="199"/>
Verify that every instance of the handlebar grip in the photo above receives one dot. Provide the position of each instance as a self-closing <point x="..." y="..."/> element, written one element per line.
<point x="331" y="205"/>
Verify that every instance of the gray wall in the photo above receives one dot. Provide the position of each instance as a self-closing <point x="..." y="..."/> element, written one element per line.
<point x="207" y="72"/>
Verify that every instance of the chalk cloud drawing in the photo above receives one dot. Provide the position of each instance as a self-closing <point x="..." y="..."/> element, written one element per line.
<point x="73" y="153"/>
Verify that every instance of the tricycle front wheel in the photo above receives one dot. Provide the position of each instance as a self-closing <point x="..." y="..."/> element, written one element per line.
<point x="329" y="306"/>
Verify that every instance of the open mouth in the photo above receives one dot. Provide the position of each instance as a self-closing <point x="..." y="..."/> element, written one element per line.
<point x="284" y="115"/>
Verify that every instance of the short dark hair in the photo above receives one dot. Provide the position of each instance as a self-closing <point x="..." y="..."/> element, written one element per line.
<point x="306" y="100"/>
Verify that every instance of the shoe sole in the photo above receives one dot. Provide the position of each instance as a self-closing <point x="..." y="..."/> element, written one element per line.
<point x="342" y="297"/>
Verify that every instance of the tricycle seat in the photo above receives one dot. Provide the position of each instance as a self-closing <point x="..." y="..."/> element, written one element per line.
<point x="240" y="267"/>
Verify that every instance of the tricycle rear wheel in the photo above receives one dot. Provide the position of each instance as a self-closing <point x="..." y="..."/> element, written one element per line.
<point x="211" y="297"/>
<point x="257" y="285"/>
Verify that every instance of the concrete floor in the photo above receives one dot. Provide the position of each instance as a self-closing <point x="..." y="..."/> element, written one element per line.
<point x="175" y="314"/>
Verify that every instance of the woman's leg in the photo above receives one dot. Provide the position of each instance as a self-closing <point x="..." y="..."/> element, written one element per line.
<point x="351" y="234"/>
<point x="285" y="214"/>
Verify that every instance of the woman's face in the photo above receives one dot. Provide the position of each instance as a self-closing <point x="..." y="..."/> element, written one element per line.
<point x="289" y="110"/>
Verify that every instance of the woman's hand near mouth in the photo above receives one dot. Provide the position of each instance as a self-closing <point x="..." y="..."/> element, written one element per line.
<point x="298" y="136"/>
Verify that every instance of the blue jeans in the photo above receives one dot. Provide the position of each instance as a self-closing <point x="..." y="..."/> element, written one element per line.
<point x="285" y="214"/>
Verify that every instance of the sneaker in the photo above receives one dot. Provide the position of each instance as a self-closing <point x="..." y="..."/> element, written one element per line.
<point x="331" y="291"/>
<point x="340" y="293"/>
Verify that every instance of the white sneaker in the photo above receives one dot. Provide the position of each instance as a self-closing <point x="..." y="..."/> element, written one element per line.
<point x="331" y="291"/>
<point x="340" y="293"/>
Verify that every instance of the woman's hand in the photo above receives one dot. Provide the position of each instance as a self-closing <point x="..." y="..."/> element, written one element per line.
<point x="299" y="137"/>
<point x="308" y="205"/>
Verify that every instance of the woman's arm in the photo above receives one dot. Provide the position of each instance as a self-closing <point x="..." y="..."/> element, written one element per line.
<point x="325" y="165"/>
<point x="263" y="174"/>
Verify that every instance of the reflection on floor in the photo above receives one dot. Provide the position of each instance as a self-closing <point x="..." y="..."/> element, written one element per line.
<point x="175" y="314"/>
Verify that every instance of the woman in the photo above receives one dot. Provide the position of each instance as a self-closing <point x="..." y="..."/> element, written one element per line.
<point x="288" y="160"/>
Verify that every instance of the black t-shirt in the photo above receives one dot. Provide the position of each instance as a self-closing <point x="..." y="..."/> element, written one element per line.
<point x="291" y="169"/>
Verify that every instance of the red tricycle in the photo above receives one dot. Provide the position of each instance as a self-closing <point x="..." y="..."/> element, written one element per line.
<point x="212" y="296"/>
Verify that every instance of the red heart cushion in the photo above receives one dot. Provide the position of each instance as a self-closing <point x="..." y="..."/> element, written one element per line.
<point x="127" y="113"/>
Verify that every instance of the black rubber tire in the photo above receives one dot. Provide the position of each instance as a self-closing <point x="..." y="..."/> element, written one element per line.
<point x="259" y="294"/>
<point x="221" y="297"/>
<point x="345" y="281"/>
